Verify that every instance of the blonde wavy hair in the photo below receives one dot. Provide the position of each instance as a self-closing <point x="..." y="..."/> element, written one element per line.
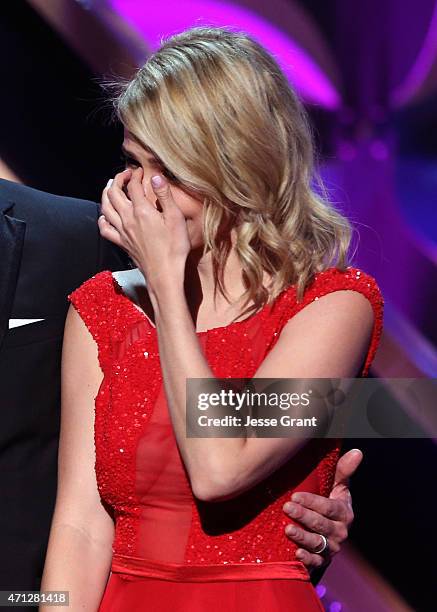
<point x="215" y="108"/>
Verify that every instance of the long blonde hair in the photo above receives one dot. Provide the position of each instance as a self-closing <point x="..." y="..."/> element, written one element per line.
<point x="214" y="106"/>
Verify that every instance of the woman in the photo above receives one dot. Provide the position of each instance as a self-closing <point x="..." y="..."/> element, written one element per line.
<point x="241" y="272"/>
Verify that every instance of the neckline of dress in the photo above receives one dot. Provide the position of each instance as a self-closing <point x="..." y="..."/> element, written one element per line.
<point x="231" y="325"/>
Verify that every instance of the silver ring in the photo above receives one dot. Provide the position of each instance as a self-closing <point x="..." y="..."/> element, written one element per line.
<point x="324" y="545"/>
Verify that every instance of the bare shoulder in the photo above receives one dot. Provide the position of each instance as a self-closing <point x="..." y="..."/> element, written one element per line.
<point x="344" y="315"/>
<point x="343" y="304"/>
<point x="329" y="337"/>
<point x="79" y="346"/>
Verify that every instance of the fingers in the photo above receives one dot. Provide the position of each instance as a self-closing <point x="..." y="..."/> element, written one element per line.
<point x="310" y="541"/>
<point x="136" y="193"/>
<point x="116" y="207"/>
<point x="341" y="493"/>
<point x="309" y="559"/>
<point x="108" y="231"/>
<point x="330" y="508"/>
<point x="313" y="520"/>
<point x="161" y="187"/>
<point x="121" y="179"/>
<point x="347" y="466"/>
<point x="108" y="211"/>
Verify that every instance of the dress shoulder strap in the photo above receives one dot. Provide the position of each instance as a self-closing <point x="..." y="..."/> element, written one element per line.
<point x="328" y="281"/>
<point x="93" y="302"/>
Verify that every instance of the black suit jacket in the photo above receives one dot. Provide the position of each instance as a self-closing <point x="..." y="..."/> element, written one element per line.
<point x="49" y="245"/>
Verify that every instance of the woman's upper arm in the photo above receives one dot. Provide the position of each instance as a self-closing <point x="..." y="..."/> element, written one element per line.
<point x="78" y="501"/>
<point x="329" y="338"/>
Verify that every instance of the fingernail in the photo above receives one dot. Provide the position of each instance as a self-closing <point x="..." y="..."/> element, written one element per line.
<point x="296" y="498"/>
<point x="291" y="530"/>
<point x="157" y="181"/>
<point x="292" y="510"/>
<point x="299" y="554"/>
<point x="109" y="183"/>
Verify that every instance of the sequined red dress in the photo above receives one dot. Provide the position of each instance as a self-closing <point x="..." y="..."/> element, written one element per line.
<point x="170" y="550"/>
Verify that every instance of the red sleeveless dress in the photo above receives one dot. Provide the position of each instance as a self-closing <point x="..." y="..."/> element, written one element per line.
<point x="172" y="552"/>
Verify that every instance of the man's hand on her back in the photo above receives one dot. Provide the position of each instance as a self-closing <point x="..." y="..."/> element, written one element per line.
<point x="331" y="517"/>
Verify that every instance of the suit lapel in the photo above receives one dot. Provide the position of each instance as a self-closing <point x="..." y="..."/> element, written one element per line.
<point x="12" y="232"/>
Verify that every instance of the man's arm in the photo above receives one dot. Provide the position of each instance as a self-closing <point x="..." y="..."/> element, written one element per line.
<point x="331" y="517"/>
